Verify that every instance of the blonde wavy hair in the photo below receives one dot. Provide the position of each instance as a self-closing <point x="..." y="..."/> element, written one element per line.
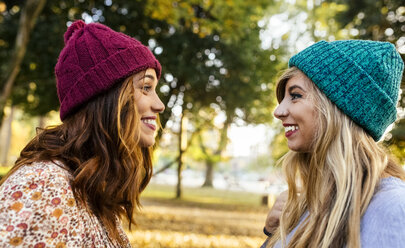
<point x="334" y="183"/>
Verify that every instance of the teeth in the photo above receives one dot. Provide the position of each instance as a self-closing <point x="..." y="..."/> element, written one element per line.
<point x="291" y="128"/>
<point x="149" y="121"/>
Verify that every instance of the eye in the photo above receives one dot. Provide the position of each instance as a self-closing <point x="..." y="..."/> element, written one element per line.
<point x="295" y="96"/>
<point x="147" y="88"/>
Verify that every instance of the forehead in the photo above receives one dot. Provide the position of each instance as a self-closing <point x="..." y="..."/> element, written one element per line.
<point x="300" y="80"/>
<point x="149" y="74"/>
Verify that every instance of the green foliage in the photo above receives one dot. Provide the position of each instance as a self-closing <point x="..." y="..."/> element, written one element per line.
<point x="261" y="163"/>
<point x="201" y="196"/>
<point x="380" y="20"/>
<point x="210" y="50"/>
<point x="395" y="141"/>
<point x="279" y="145"/>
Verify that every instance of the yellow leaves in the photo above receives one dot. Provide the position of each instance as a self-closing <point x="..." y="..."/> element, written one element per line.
<point x="33" y="66"/>
<point x="162" y="238"/>
<point x="56" y="10"/>
<point x="15" y="9"/>
<point x="228" y="17"/>
<point x="32" y="86"/>
<point x="174" y="224"/>
<point x="384" y="10"/>
<point x="285" y="36"/>
<point x="123" y="28"/>
<point x="162" y="10"/>
<point x="72" y="12"/>
<point x="325" y="20"/>
<point x="3" y="6"/>
<point x="30" y="98"/>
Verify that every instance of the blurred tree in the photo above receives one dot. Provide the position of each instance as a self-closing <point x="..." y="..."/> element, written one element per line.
<point x="279" y="145"/>
<point x="396" y="141"/>
<point x="211" y="58"/>
<point x="382" y="20"/>
<point x="28" y="16"/>
<point x="210" y="52"/>
<point x="211" y="140"/>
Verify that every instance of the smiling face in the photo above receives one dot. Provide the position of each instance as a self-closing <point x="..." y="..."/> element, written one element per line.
<point x="148" y="105"/>
<point x="297" y="111"/>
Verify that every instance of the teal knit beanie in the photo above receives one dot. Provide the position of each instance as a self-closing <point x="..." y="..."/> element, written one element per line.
<point x="361" y="77"/>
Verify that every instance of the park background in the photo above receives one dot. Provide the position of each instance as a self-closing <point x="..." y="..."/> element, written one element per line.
<point x="216" y="171"/>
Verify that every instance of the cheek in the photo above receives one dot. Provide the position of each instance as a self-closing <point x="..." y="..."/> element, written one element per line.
<point x="313" y="124"/>
<point x="141" y="105"/>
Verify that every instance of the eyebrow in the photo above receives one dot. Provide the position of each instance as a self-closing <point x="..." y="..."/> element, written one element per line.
<point x="147" y="76"/>
<point x="295" y="87"/>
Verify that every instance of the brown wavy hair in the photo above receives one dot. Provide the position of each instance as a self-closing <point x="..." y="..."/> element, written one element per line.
<point x="99" y="145"/>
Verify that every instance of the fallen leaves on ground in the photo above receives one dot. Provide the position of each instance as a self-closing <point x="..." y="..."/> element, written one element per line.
<point x="173" y="224"/>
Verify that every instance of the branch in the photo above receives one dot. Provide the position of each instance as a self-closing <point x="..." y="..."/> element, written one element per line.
<point x="27" y="22"/>
<point x="169" y="164"/>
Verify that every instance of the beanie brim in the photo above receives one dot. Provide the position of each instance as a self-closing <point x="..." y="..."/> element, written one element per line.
<point x="335" y="79"/>
<point x="99" y="79"/>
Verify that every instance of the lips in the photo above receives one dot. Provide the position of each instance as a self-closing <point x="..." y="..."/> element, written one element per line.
<point x="150" y="122"/>
<point x="290" y="129"/>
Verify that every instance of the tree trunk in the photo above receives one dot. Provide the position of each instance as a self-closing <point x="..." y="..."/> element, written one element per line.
<point x="28" y="18"/>
<point x="182" y="136"/>
<point x="6" y="138"/>
<point x="210" y="165"/>
<point x="209" y="174"/>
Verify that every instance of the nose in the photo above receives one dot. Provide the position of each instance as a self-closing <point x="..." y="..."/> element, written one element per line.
<point x="281" y="111"/>
<point x="158" y="106"/>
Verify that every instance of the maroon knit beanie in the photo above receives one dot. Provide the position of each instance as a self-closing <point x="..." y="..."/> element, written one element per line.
<point x="94" y="59"/>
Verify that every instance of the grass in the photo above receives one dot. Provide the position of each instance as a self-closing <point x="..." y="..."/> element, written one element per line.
<point x="204" y="217"/>
<point x="204" y="197"/>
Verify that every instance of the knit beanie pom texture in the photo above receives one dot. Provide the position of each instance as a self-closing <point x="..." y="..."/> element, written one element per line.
<point x="361" y="77"/>
<point x="94" y="59"/>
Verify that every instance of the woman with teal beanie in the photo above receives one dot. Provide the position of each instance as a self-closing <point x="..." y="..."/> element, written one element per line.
<point x="336" y="100"/>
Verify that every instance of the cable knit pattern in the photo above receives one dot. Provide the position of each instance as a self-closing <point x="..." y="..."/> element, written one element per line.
<point x="38" y="209"/>
<point x="93" y="60"/>
<point x="361" y="77"/>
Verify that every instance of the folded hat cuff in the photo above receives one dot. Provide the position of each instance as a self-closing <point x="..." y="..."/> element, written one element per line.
<point x="334" y="73"/>
<point x="106" y="74"/>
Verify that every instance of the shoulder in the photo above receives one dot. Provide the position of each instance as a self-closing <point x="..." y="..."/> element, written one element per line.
<point x="36" y="178"/>
<point x="37" y="202"/>
<point x="384" y="220"/>
<point x="40" y="172"/>
<point x="390" y="194"/>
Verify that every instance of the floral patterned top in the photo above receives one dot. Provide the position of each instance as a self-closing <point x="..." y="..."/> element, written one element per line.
<point x="38" y="209"/>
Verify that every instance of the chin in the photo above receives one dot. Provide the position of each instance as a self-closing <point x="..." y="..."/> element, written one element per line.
<point x="296" y="148"/>
<point x="147" y="142"/>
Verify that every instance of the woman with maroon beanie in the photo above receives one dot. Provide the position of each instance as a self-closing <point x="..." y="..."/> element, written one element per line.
<point x="74" y="182"/>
